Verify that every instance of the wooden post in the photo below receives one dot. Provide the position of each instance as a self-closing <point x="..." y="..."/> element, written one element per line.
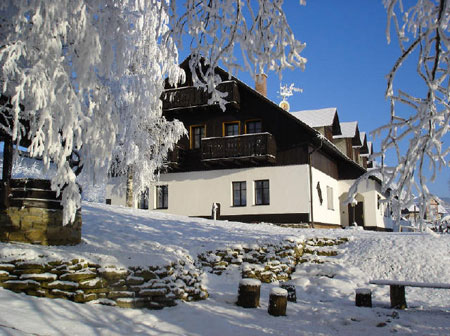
<point x="398" y="299"/>
<point x="278" y="301"/>
<point x="363" y="297"/>
<point x="249" y="292"/>
<point x="292" y="295"/>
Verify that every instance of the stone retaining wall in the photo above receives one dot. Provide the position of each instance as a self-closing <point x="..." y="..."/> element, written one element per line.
<point x="156" y="287"/>
<point x="267" y="263"/>
<point x="82" y="281"/>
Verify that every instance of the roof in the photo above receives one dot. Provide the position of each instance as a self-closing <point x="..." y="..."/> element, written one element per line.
<point x="364" y="149"/>
<point x="350" y="130"/>
<point x="317" y="118"/>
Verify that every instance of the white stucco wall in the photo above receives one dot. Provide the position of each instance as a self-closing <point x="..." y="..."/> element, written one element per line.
<point x="321" y="213"/>
<point x="192" y="193"/>
<point x="368" y="193"/>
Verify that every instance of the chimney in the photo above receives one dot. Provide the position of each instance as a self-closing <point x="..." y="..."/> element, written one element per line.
<point x="261" y="84"/>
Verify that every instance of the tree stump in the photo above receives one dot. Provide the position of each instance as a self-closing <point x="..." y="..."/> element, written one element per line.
<point x="363" y="297"/>
<point x="278" y="301"/>
<point x="292" y="295"/>
<point x="398" y="299"/>
<point x="249" y="292"/>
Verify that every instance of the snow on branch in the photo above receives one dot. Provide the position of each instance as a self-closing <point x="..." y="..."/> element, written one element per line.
<point x="87" y="75"/>
<point x="422" y="33"/>
<point x="218" y="29"/>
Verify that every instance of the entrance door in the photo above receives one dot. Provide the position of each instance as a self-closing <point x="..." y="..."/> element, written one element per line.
<point x="356" y="214"/>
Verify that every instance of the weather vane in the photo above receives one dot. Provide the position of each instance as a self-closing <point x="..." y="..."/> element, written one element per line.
<point x="285" y="92"/>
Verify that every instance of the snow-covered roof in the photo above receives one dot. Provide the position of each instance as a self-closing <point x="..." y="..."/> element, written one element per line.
<point x="317" y="118"/>
<point x="350" y="130"/>
<point x="369" y="149"/>
<point x="364" y="149"/>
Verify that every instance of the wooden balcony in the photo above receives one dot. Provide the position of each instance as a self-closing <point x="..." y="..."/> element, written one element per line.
<point x="240" y="149"/>
<point x="185" y="97"/>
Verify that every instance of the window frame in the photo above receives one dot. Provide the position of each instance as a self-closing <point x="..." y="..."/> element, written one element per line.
<point x="252" y="121"/>
<point x="265" y="199"/>
<point x="164" y="204"/>
<point x="226" y="123"/>
<point x="192" y="135"/>
<point x="242" y="193"/>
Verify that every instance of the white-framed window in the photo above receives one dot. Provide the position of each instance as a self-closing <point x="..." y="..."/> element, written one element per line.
<point x="330" y="199"/>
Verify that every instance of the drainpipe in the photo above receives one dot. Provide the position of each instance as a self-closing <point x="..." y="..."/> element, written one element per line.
<point x="311" y="180"/>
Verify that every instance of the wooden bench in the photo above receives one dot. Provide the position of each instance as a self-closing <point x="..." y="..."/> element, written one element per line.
<point x="398" y="299"/>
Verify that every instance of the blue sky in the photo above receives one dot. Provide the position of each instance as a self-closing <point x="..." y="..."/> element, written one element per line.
<point x="348" y="59"/>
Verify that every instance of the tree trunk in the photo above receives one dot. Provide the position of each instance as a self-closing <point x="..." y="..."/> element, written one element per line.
<point x="129" y="194"/>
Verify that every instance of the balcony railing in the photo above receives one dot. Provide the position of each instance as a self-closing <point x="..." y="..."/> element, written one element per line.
<point x="191" y="96"/>
<point x="253" y="147"/>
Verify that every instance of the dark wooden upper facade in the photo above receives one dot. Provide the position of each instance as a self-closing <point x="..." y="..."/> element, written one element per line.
<point x="263" y="134"/>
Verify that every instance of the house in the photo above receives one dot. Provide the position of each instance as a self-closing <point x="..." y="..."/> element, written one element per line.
<point x="253" y="162"/>
<point x="369" y="211"/>
<point x="434" y="211"/>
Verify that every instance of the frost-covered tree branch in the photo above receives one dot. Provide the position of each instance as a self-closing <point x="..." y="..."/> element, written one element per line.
<point x="87" y="75"/>
<point x="216" y="30"/>
<point x="422" y="33"/>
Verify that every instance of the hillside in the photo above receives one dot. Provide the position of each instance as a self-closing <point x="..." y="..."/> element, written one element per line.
<point x="325" y="292"/>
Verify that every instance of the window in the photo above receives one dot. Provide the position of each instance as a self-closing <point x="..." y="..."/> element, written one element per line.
<point x="197" y="133"/>
<point x="330" y="201"/>
<point x="253" y="126"/>
<point x="162" y="197"/>
<point x="239" y="193"/>
<point x="231" y="128"/>
<point x="143" y="200"/>
<point x="262" y="192"/>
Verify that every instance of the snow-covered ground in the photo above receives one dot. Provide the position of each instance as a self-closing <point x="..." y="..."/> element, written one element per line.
<point x="325" y="292"/>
